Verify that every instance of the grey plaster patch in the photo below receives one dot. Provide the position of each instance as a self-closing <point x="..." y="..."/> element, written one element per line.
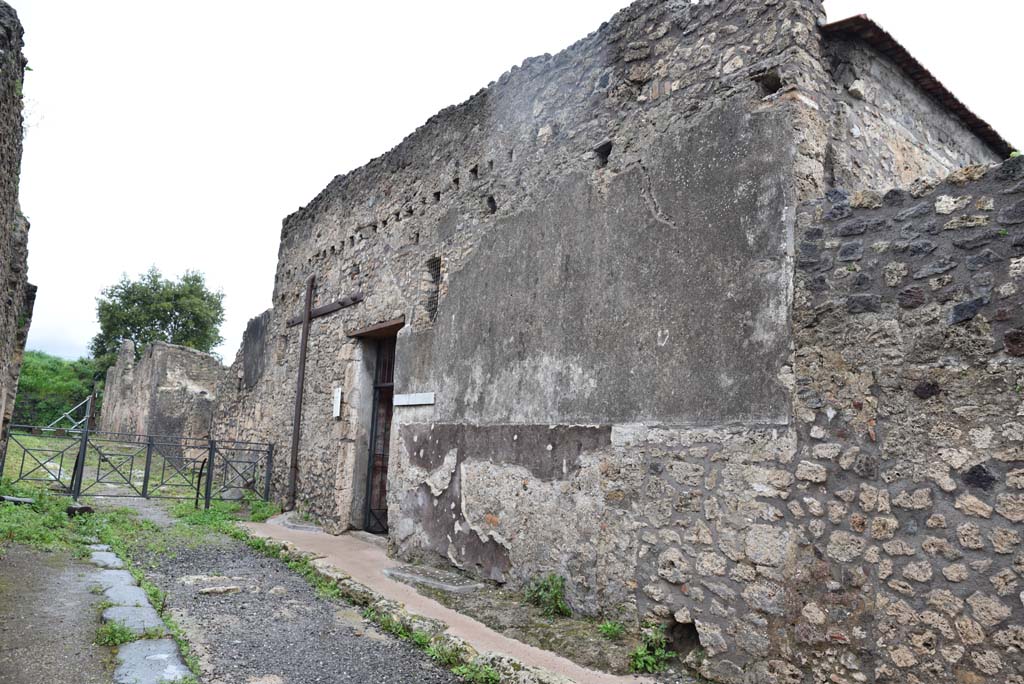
<point x="149" y="661"/>
<point x="106" y="559"/>
<point x="138" y="619"/>
<point x="99" y="547"/>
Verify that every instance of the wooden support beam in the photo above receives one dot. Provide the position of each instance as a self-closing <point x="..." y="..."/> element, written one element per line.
<point x="293" y="469"/>
<point x="385" y="329"/>
<point x="327" y="309"/>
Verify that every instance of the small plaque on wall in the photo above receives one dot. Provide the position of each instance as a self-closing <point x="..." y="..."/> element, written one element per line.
<point x="338" y="395"/>
<point x="420" y="399"/>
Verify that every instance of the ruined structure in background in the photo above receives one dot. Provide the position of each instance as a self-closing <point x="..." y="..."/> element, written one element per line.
<point x="18" y="295"/>
<point x="170" y="390"/>
<point x="598" y="321"/>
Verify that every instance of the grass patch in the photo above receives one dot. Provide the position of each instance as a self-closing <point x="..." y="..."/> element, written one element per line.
<point x="548" y="593"/>
<point x="43" y="524"/>
<point x="611" y="630"/>
<point x="114" y="634"/>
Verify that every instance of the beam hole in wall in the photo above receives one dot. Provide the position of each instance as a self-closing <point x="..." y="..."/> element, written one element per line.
<point x="512" y="154"/>
<point x="434" y="271"/>
<point x="770" y="82"/>
<point x="492" y="204"/>
<point x="603" y="152"/>
<point x="455" y="181"/>
<point x="490" y="164"/>
<point x="474" y="172"/>
<point x="683" y="638"/>
<point x="437" y="196"/>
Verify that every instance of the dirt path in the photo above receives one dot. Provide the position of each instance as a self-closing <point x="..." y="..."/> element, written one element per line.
<point x="48" y="620"/>
<point x="269" y="626"/>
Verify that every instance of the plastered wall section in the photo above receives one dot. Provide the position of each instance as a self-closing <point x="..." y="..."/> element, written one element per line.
<point x="169" y="391"/>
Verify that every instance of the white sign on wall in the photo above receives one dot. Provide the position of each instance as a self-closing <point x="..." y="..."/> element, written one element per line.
<point x="420" y="399"/>
<point x="337" y="402"/>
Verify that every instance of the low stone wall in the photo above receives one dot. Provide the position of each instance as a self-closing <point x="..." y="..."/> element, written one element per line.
<point x="171" y="390"/>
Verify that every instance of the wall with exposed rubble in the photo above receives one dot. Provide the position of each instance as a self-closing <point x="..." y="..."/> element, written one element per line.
<point x="592" y="262"/>
<point x="18" y="296"/>
<point x="885" y="129"/>
<point x="886" y="546"/>
<point x="170" y="391"/>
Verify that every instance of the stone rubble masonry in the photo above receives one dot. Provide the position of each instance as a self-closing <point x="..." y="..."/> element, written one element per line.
<point x="170" y="391"/>
<point x="18" y="295"/>
<point x="664" y="367"/>
<point x="909" y="396"/>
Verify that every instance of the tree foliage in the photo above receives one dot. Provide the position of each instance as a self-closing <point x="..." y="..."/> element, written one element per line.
<point x="49" y="386"/>
<point x="152" y="309"/>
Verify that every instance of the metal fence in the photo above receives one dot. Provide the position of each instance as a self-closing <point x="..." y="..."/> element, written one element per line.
<point x="83" y="462"/>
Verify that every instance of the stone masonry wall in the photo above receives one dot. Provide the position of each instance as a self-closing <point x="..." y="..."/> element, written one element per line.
<point x="18" y="296"/>
<point x="593" y="262"/>
<point x="562" y="177"/>
<point x="613" y="226"/>
<point x="887" y="131"/>
<point x="906" y="497"/>
<point x="170" y="391"/>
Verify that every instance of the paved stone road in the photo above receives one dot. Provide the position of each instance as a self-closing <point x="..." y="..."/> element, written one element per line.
<point x="48" y="620"/>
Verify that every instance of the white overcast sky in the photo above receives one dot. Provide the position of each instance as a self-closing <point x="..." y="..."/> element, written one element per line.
<point x="179" y="134"/>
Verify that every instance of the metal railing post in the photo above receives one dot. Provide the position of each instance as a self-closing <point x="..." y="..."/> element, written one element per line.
<point x="209" y="473"/>
<point x="266" y="475"/>
<point x="5" y="436"/>
<point x="83" y="448"/>
<point x="149" y="462"/>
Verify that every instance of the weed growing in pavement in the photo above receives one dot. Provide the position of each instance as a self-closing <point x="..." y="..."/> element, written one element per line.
<point x="477" y="674"/>
<point x="445" y="653"/>
<point x="420" y="638"/>
<point x="114" y="634"/>
<point x="548" y="593"/>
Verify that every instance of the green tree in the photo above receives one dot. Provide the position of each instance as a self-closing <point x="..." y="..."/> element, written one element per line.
<point x="49" y="386"/>
<point x="152" y="309"/>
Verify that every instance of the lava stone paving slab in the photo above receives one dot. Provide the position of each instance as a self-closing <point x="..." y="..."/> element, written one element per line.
<point x="114" y="578"/>
<point x="121" y="595"/>
<point x="275" y="629"/>
<point x="139" y="619"/>
<point x="106" y="559"/>
<point x="150" y="661"/>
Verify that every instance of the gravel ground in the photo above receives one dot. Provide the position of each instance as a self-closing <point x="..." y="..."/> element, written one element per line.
<point x="48" y="620"/>
<point x="270" y="627"/>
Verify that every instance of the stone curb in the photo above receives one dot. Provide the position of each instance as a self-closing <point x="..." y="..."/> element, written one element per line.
<point x="146" y="661"/>
<point x="511" y="670"/>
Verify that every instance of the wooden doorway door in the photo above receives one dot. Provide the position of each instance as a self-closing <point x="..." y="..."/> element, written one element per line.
<point x="380" y="437"/>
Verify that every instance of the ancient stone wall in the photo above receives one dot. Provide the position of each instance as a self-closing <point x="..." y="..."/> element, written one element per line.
<point x="563" y="179"/>
<point x="886" y="130"/>
<point x="18" y="296"/>
<point x="904" y="503"/>
<point x="170" y="390"/>
<point x="592" y="263"/>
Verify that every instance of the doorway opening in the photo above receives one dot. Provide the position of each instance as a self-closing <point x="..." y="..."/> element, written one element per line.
<point x="380" y="437"/>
